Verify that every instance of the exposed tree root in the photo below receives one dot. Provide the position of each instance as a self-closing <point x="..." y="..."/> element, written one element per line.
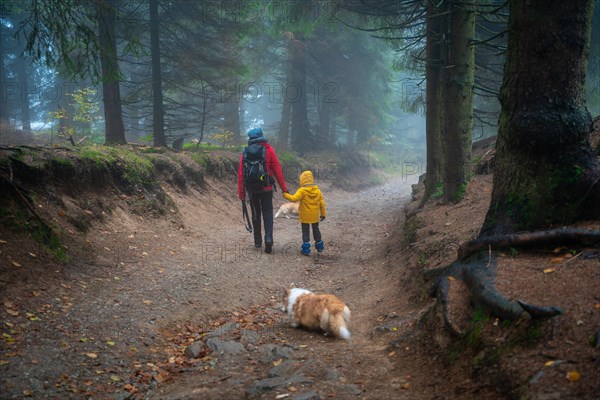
<point x="549" y="237"/>
<point x="478" y="274"/>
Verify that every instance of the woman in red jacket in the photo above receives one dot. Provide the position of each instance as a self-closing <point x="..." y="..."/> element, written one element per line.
<point x="261" y="200"/>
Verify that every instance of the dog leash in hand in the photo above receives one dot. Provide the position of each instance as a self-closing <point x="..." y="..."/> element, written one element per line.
<point x="245" y="214"/>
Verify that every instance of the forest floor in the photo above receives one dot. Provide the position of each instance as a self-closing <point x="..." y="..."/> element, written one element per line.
<point x="183" y="307"/>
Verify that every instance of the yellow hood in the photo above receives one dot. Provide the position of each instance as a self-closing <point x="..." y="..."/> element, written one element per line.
<point x="306" y="178"/>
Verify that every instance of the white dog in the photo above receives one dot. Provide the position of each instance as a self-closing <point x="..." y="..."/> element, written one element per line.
<point x="288" y="209"/>
<point x="317" y="311"/>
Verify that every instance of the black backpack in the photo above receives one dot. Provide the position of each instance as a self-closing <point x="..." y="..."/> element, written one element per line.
<point x="254" y="169"/>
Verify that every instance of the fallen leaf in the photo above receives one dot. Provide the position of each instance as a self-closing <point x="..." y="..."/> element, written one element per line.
<point x="549" y="270"/>
<point x="83" y="339"/>
<point x="130" y="388"/>
<point x="35" y="293"/>
<point x="147" y="302"/>
<point x="32" y="255"/>
<point x="406" y="386"/>
<point x="549" y="363"/>
<point x="451" y="278"/>
<point x="27" y="393"/>
<point x="3" y="241"/>
<point x="303" y="346"/>
<point x="14" y="313"/>
<point x="597" y="306"/>
<point x="292" y="389"/>
<point x="32" y="317"/>
<point x="277" y="362"/>
<point x="88" y="383"/>
<point x="573" y="376"/>
<point x="115" y="378"/>
<point x="3" y="362"/>
<point x="8" y="338"/>
<point x="282" y="396"/>
<point x="391" y="354"/>
<point x="92" y="355"/>
<point x="16" y="264"/>
<point x="556" y="260"/>
<point x="110" y="343"/>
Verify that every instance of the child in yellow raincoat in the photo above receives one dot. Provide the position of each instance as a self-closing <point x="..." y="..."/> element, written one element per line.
<point x="310" y="211"/>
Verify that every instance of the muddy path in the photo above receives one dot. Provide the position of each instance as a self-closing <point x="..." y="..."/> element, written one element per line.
<point x="122" y="326"/>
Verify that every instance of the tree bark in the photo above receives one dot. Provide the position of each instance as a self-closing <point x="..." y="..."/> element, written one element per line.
<point x="158" y="112"/>
<point x="433" y="99"/>
<point x="546" y="172"/>
<point x="111" y="95"/>
<point x="458" y="98"/>
<point x="24" y="90"/>
<point x="3" y="99"/>
<point x="232" y="117"/>
<point x="300" y="126"/>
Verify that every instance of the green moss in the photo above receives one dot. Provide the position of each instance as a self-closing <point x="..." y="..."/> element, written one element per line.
<point x="460" y="192"/>
<point x="439" y="191"/>
<point x="201" y="159"/>
<point x="132" y="167"/>
<point x="410" y="229"/>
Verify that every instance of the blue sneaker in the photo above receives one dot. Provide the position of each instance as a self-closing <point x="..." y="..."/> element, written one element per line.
<point x="320" y="246"/>
<point x="305" y="249"/>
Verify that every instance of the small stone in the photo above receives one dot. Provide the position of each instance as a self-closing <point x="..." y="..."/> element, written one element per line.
<point x="195" y="349"/>
<point x="225" y="347"/>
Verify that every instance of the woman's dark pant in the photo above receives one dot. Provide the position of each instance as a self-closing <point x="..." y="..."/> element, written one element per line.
<point x="261" y="204"/>
<point x="306" y="232"/>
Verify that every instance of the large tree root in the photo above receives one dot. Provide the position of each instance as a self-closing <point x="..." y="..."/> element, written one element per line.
<point x="478" y="275"/>
<point x="476" y="267"/>
<point x="551" y="237"/>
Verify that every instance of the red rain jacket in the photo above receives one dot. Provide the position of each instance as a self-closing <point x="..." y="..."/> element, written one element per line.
<point x="273" y="169"/>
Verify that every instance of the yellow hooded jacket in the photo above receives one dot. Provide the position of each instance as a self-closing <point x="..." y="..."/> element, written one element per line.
<point x="312" y="204"/>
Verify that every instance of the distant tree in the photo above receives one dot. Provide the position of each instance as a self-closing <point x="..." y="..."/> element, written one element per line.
<point x="158" y="113"/>
<point x="79" y="38"/>
<point x="546" y="172"/>
<point x="111" y="91"/>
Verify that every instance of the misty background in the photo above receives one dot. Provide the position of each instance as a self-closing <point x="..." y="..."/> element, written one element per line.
<point x="312" y="74"/>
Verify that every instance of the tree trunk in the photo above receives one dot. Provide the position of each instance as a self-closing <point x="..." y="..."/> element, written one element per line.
<point x="324" y="119"/>
<point x="111" y="95"/>
<point x="3" y="99"/>
<point x="283" y="135"/>
<point x="546" y="172"/>
<point x="458" y="99"/>
<point x="24" y="90"/>
<point x="158" y="112"/>
<point x="232" y="117"/>
<point x="433" y="97"/>
<point x="300" y="126"/>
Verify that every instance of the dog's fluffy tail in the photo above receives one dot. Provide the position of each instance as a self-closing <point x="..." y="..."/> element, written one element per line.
<point x="338" y="323"/>
<point x="278" y="212"/>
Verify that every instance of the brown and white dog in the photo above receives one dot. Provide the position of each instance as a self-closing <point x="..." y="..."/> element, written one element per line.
<point x="314" y="311"/>
<point x="288" y="209"/>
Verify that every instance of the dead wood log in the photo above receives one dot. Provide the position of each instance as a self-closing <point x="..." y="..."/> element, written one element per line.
<point x="566" y="235"/>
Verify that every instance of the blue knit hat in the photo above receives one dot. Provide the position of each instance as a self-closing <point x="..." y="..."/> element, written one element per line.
<point x="255" y="133"/>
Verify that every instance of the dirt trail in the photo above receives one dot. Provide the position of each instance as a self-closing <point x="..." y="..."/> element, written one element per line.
<point x="117" y="328"/>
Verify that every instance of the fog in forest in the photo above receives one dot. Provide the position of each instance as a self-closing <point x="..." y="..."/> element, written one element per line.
<point x="313" y="74"/>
